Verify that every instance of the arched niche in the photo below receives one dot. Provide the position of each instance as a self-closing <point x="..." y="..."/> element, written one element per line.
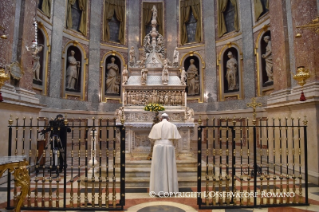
<point x="230" y="72"/>
<point x="111" y="88"/>
<point x="75" y="61"/>
<point x="43" y="39"/>
<point x="264" y="80"/>
<point x="195" y="79"/>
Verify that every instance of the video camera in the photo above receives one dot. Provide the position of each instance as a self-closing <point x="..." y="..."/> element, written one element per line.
<point x="55" y="126"/>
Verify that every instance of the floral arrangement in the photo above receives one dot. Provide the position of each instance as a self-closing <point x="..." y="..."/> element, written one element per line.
<point x="154" y="107"/>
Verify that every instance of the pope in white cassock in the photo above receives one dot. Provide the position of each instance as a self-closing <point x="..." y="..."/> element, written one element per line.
<point x="163" y="169"/>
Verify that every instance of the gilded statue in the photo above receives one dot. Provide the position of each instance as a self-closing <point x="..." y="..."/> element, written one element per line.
<point x="112" y="78"/>
<point x="268" y="58"/>
<point x="192" y="73"/>
<point x="72" y="72"/>
<point x="231" y="73"/>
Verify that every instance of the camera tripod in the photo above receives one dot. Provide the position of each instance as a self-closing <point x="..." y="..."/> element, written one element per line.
<point x="56" y="146"/>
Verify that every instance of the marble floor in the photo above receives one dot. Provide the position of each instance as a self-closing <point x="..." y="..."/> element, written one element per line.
<point x="139" y="200"/>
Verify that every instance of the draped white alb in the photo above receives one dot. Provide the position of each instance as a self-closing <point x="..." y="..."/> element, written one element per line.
<point x="163" y="169"/>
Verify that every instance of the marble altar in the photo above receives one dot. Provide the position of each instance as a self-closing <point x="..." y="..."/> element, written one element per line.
<point x="153" y="79"/>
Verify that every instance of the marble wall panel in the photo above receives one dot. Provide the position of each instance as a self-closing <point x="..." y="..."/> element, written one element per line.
<point x="7" y="17"/>
<point x="133" y="28"/>
<point x="210" y="91"/>
<point x="94" y="50"/>
<point x="58" y="20"/>
<point x="280" y="47"/>
<point x="305" y="51"/>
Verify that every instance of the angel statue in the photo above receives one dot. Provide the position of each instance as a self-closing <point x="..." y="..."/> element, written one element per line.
<point x="35" y="49"/>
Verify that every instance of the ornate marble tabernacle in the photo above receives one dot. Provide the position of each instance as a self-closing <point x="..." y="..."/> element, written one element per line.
<point x="153" y="79"/>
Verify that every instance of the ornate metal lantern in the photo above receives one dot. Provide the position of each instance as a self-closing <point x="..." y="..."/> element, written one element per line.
<point x="301" y="77"/>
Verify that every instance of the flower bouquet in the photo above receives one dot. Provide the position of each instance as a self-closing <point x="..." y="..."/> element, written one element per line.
<point x="154" y="107"/>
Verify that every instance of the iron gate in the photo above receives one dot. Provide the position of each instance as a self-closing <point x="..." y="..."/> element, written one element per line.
<point x="252" y="163"/>
<point x="93" y="174"/>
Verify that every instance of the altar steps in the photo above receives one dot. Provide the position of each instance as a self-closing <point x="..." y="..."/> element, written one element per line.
<point x="137" y="173"/>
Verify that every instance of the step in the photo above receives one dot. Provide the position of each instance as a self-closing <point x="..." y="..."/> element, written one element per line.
<point x="143" y="182"/>
<point x="147" y="163"/>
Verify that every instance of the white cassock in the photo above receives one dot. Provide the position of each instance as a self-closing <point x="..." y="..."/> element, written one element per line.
<point x="163" y="169"/>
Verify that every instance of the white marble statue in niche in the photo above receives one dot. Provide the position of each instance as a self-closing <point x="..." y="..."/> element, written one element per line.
<point x="165" y="75"/>
<point x="144" y="72"/>
<point x="125" y="75"/>
<point x="176" y="57"/>
<point x="112" y="78"/>
<point x="192" y="79"/>
<point x="132" y="56"/>
<point x="231" y="73"/>
<point x="72" y="72"/>
<point x="268" y="59"/>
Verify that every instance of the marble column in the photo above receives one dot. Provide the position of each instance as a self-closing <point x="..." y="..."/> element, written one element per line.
<point x="94" y="49"/>
<point x="210" y="49"/>
<point x="171" y="26"/>
<point x="25" y="37"/>
<point x="305" y="48"/>
<point x="280" y="45"/>
<point x="133" y="28"/>
<point x="291" y="38"/>
<point x="16" y="30"/>
<point x="58" y="23"/>
<point x="246" y="21"/>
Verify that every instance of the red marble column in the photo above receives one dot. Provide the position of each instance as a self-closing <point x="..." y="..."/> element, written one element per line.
<point x="280" y="46"/>
<point x="306" y="47"/>
<point x="7" y="9"/>
<point x="28" y="35"/>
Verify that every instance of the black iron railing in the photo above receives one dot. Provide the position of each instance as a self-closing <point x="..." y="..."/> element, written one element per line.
<point x="90" y="175"/>
<point x="257" y="163"/>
